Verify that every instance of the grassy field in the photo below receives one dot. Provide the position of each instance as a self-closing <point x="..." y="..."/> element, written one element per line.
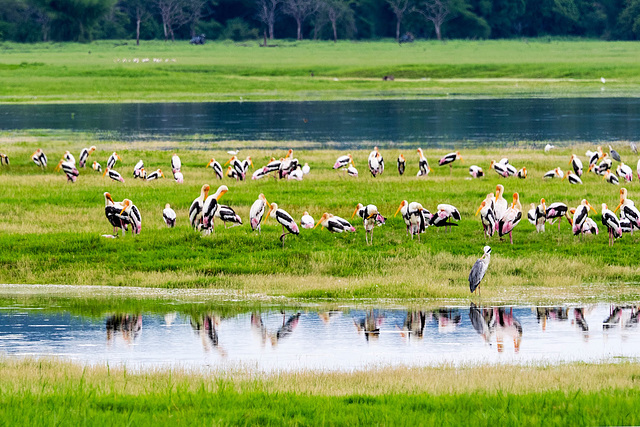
<point x="225" y="71"/>
<point x="46" y="392"/>
<point x="51" y="231"/>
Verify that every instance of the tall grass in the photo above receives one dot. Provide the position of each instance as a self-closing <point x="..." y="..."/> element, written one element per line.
<point x="223" y="71"/>
<point x="51" y="231"/>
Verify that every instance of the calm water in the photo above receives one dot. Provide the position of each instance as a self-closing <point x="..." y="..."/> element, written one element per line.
<point x="428" y="122"/>
<point x="345" y="339"/>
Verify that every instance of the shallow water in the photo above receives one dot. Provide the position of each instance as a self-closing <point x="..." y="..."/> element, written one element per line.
<point x="343" y="340"/>
<point x="433" y="123"/>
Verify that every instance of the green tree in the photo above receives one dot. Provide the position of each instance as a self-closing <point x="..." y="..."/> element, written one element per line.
<point x="81" y="14"/>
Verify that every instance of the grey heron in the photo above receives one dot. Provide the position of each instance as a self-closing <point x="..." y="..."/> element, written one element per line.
<point x="614" y="154"/>
<point x="479" y="269"/>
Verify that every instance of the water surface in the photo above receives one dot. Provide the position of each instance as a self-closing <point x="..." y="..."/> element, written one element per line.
<point x="411" y="122"/>
<point x="343" y="339"/>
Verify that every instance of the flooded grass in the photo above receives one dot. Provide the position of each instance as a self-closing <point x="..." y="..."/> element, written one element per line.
<point x="51" y="392"/>
<point x="51" y="230"/>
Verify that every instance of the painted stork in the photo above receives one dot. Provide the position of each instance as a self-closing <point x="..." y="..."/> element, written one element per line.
<point x="500" y="203"/>
<point x="423" y="164"/>
<point x="610" y="220"/>
<point x="479" y="269"/>
<point x="589" y="226"/>
<point x="210" y="207"/>
<point x="111" y="211"/>
<point x="289" y="225"/>
<point x="217" y="168"/>
<point x="96" y="167"/>
<point x="113" y="158"/>
<point x="576" y="164"/>
<point x="137" y="169"/>
<point x="39" y="158"/>
<point x="257" y="212"/>
<point x="68" y="157"/>
<point x="131" y="215"/>
<point x="610" y="178"/>
<point x="580" y="214"/>
<point x="343" y="161"/>
<point x="306" y="169"/>
<point x="169" y="216"/>
<point x="195" y="210"/>
<point x="274" y="165"/>
<point x="260" y="173"/>
<point x="296" y="174"/>
<point x="625" y="172"/>
<point x="4" y="159"/>
<point x="333" y="223"/>
<point x="531" y="214"/>
<point x="84" y="155"/>
<point x="487" y="215"/>
<point x="556" y="210"/>
<point x="231" y="173"/>
<point x="501" y="169"/>
<point x="445" y="212"/>
<point x="572" y="178"/>
<point x="554" y="173"/>
<point x="370" y="217"/>
<point x="628" y="210"/>
<point x="404" y="212"/>
<point x="227" y="214"/>
<point x="614" y="154"/>
<point x="113" y="175"/>
<point x="287" y="165"/>
<point x="511" y="218"/>
<point x="374" y="162"/>
<point x="476" y="171"/>
<point x="176" y="163"/>
<point x="540" y="216"/>
<point x="448" y="159"/>
<point x="402" y="164"/>
<point x="522" y="173"/>
<point x="307" y="220"/>
<point x="236" y="164"/>
<point x="69" y="169"/>
<point x="352" y="171"/>
<point x="155" y="175"/>
<point x="246" y="163"/>
<point x="178" y="177"/>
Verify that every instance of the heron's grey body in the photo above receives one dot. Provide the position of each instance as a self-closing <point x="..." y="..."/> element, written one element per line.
<point x="479" y="269"/>
<point x="614" y="154"/>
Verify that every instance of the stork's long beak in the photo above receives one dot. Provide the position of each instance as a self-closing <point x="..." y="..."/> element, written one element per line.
<point x="118" y="156"/>
<point x="161" y="174"/>
<point x="251" y="163"/>
<point x="591" y="167"/>
<point x="591" y="207"/>
<point x="318" y="223"/>
<point x="617" y="207"/>
<point x="479" y="209"/>
<point x="105" y="172"/>
<point x="398" y="210"/>
<point x="267" y="215"/>
<point x="228" y="161"/>
<point x="565" y="175"/>
<point x="222" y="193"/>
<point x="210" y="161"/>
<point x="57" y="168"/>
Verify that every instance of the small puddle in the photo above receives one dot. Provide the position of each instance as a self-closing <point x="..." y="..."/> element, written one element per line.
<point x="343" y="339"/>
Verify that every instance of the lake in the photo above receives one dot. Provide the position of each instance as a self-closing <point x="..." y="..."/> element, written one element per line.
<point x="430" y="123"/>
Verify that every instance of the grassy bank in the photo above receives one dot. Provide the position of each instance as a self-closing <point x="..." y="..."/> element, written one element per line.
<point x="49" y="392"/>
<point x="225" y="71"/>
<point x="51" y="231"/>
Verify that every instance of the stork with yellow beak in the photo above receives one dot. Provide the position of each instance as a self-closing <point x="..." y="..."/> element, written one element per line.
<point x="210" y="207"/>
<point x="113" y="158"/>
<point x="39" y="158"/>
<point x="131" y="215"/>
<point x="331" y="223"/>
<point x="511" y="218"/>
<point x="111" y="211"/>
<point x="423" y="164"/>
<point x="195" y="210"/>
<point x="500" y="204"/>
<point x="286" y="220"/>
<point x="343" y="161"/>
<point x="155" y="175"/>
<point x="449" y="159"/>
<point x="402" y="164"/>
<point x="487" y="215"/>
<point x="69" y="169"/>
<point x="370" y="217"/>
<point x="576" y="164"/>
<point x="114" y="175"/>
<point x="84" y="155"/>
<point x="237" y="168"/>
<point x="217" y="168"/>
<point x="257" y="212"/>
<point x="628" y="210"/>
<point x="581" y="213"/>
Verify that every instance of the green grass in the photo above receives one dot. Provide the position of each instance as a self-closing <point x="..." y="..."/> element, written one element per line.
<point x="51" y="231"/>
<point x="225" y="71"/>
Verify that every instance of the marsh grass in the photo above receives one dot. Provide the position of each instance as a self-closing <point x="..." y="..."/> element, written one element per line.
<point x="52" y="392"/>
<point x="224" y="71"/>
<point x="51" y="230"/>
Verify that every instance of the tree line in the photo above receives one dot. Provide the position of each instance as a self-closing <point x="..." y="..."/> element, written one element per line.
<point x="85" y="20"/>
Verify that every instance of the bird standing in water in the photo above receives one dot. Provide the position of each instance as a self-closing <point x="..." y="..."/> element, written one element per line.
<point x="479" y="269"/>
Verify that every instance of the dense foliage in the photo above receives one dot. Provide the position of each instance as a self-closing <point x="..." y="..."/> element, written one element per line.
<point x="81" y="20"/>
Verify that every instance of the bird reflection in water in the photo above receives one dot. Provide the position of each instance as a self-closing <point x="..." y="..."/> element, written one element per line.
<point x="207" y="329"/>
<point x="369" y="325"/>
<point x="288" y="326"/>
<point x="623" y="317"/>
<point x="413" y="326"/>
<point x="448" y="319"/>
<point x="128" y="325"/>
<point x="551" y="313"/>
<point x="497" y="321"/>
